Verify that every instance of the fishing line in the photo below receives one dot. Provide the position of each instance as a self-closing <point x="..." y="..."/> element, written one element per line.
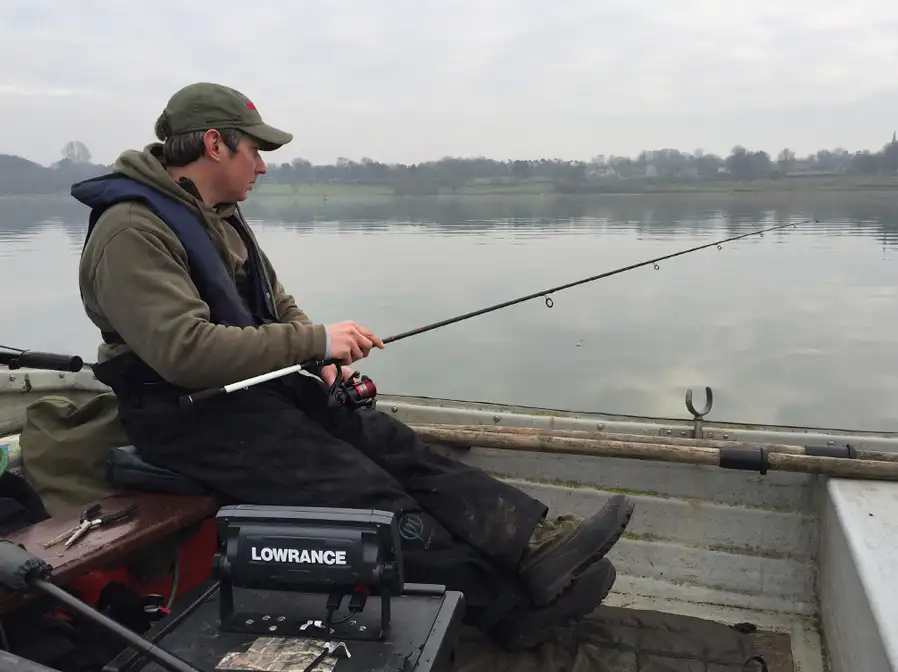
<point x="546" y="292"/>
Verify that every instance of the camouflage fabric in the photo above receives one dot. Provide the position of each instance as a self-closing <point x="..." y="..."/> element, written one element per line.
<point x="614" y="639"/>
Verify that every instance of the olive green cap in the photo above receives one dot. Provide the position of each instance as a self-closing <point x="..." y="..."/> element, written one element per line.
<point x="201" y="106"/>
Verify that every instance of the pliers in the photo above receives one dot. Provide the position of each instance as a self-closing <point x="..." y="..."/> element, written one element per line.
<point x="90" y="519"/>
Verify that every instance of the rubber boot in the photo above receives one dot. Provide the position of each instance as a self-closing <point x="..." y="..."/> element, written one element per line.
<point x="527" y="628"/>
<point x="562" y="548"/>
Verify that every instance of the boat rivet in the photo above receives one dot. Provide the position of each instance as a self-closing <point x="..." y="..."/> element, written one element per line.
<point x="725" y="435"/>
<point x="682" y="433"/>
<point x="272" y="628"/>
<point x="249" y="621"/>
<point x="12" y="378"/>
<point x="352" y="622"/>
<point x="830" y="443"/>
<point x="495" y="418"/>
<point x="281" y="618"/>
<point x="601" y="425"/>
<point x="266" y="617"/>
<point x="61" y="375"/>
<point x="362" y="628"/>
<point x="394" y="409"/>
<point x="668" y="432"/>
<point x="710" y="435"/>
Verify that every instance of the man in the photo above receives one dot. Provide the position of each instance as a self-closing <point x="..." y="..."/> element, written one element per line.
<point x="185" y="299"/>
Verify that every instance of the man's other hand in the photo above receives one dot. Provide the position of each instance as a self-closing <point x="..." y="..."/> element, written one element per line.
<point x="351" y="341"/>
<point x="329" y="373"/>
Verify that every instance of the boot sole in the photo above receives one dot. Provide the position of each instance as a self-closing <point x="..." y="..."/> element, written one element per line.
<point x="538" y="637"/>
<point x="546" y="585"/>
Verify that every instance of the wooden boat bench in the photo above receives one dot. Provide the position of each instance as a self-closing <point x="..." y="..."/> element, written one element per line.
<point x="166" y="503"/>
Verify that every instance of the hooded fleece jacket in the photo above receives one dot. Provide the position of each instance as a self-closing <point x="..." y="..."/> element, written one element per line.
<point x="135" y="281"/>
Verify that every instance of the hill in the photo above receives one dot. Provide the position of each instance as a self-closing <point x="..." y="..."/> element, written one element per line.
<point x="21" y="176"/>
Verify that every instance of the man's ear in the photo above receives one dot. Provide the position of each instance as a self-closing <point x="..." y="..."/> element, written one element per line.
<point x="214" y="144"/>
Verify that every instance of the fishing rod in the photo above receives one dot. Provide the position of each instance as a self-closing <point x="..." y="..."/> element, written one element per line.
<point x="545" y="293"/>
<point x="15" y="358"/>
<point x="360" y="390"/>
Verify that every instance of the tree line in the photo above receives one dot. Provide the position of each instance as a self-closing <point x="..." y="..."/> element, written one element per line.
<point x="662" y="165"/>
<point x="20" y="176"/>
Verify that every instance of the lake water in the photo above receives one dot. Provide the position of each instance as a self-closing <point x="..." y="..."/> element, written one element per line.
<point x="797" y="327"/>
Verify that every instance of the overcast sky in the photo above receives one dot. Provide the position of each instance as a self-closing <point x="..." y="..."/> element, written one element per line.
<point x="403" y="80"/>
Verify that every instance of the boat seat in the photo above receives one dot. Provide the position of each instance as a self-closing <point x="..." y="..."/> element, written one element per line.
<point x="126" y="469"/>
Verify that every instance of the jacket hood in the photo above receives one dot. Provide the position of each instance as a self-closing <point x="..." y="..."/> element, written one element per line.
<point x="145" y="166"/>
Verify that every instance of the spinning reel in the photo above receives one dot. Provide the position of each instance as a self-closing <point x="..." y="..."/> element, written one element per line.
<point x="359" y="391"/>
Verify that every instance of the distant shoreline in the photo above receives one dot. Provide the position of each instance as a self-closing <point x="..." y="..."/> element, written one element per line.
<point x="618" y="187"/>
<point x="854" y="184"/>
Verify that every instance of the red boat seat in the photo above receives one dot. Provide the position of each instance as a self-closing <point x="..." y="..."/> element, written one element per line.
<point x="106" y="548"/>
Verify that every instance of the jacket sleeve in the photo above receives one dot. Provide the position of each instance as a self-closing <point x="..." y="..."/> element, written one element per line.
<point x="285" y="304"/>
<point x="286" y="307"/>
<point x="144" y="291"/>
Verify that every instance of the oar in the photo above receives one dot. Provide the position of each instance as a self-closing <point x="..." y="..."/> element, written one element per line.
<point x="742" y="457"/>
<point x="786" y="449"/>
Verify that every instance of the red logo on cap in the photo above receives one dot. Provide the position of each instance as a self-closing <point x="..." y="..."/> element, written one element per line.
<point x="250" y="105"/>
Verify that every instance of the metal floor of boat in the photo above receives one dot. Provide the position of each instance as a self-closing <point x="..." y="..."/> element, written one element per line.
<point x="615" y="639"/>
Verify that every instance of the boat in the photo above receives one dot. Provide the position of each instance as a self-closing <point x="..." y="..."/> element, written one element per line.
<point x="796" y="562"/>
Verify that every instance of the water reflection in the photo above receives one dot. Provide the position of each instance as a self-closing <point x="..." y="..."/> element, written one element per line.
<point x="796" y="327"/>
<point x="868" y="214"/>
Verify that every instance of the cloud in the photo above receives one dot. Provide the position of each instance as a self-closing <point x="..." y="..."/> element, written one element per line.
<point x="402" y="80"/>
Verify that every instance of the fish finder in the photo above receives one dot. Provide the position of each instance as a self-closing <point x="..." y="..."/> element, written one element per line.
<point x="337" y="553"/>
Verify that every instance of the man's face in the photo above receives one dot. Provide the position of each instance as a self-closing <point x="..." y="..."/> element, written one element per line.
<point x="238" y="170"/>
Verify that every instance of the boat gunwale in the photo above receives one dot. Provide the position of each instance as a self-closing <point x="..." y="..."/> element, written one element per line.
<point x="573" y="414"/>
<point x="471" y="411"/>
